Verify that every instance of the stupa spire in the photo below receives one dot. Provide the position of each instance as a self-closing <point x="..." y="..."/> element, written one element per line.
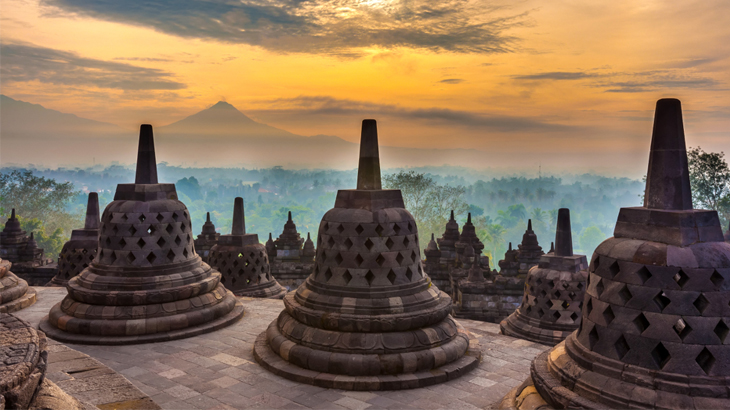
<point x="563" y="236"/>
<point x="92" y="212"/>
<point x="529" y="224"/>
<point x="452" y="215"/>
<point x="239" y="220"/>
<point x="667" y="180"/>
<point x="146" y="161"/>
<point x="12" y="214"/>
<point x="368" y="171"/>
<point x="207" y="217"/>
<point x="289" y="220"/>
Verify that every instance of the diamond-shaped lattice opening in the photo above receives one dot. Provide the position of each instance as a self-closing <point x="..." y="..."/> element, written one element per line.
<point x="721" y="330"/>
<point x="151" y="257"/>
<point x="319" y="240"/>
<point x="528" y="310"/>
<point x="614" y="269"/>
<point x="175" y="216"/>
<point x="409" y="273"/>
<point x="589" y="307"/>
<point x="347" y="276"/>
<point x="706" y="360"/>
<point x="380" y="260"/>
<point x="565" y="285"/>
<point x="580" y="285"/>
<point x="183" y="227"/>
<point x="414" y="256"/>
<point x="235" y="263"/>
<point x="399" y="258"/>
<point x="379" y="230"/>
<point x="608" y="315"/>
<point x="348" y="243"/>
<point x="142" y="218"/>
<point x="641" y="323"/>
<point x="325" y="227"/>
<point x="339" y="259"/>
<point x="593" y="337"/>
<point x="113" y="257"/>
<point x="240" y="255"/>
<point x="565" y="304"/>
<point x="389" y="243"/>
<point x="324" y="256"/>
<point x="396" y="228"/>
<point x="169" y="228"/>
<point x="340" y="228"/>
<point x="621" y="346"/>
<point x="359" y="229"/>
<point x="538" y="282"/>
<point x="716" y="278"/>
<point x="406" y="242"/>
<point x="327" y="275"/>
<point x="661" y="356"/>
<point x="151" y="230"/>
<point x="681" y="278"/>
<point x="131" y="258"/>
<point x="178" y="240"/>
<point x="185" y="253"/>
<point x="159" y="217"/>
<point x="331" y="242"/>
<point x="369" y="244"/>
<point x="549" y="304"/>
<point x="643" y="274"/>
<point x="574" y="316"/>
<point x="370" y="276"/>
<point x="543" y="293"/>
<point x="556" y="315"/>
<point x="122" y="243"/>
<point x="359" y="259"/>
<point x="599" y="287"/>
<point x="625" y="294"/>
<point x="392" y="276"/>
<point x="701" y="303"/>
<point x="551" y="284"/>
<point x="682" y="328"/>
<point x="661" y="300"/>
<point x="410" y="227"/>
<point x="595" y="264"/>
<point x="170" y="255"/>
<point x="572" y="295"/>
<point x="540" y="312"/>
<point x="141" y="243"/>
<point x="132" y="230"/>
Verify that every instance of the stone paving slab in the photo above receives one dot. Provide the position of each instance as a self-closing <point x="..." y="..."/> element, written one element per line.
<point x="218" y="371"/>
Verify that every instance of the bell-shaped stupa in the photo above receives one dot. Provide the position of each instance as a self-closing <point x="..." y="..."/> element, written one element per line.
<point x="308" y="251"/>
<point x="78" y="253"/>
<point x="509" y="266"/>
<point x="15" y="294"/>
<point x="530" y="250"/>
<point x="289" y="243"/>
<point x="289" y="265"/>
<point x="146" y="283"/>
<point x="438" y="267"/>
<point x="243" y="261"/>
<point x="554" y="290"/>
<point x="207" y="239"/>
<point x="656" y="320"/>
<point x="357" y="322"/>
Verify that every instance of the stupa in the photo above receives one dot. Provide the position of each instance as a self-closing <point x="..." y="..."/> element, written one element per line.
<point x="289" y="266"/>
<point x="146" y="284"/>
<point x="23" y="252"/>
<point x="554" y="289"/>
<point x="530" y="250"/>
<point x="15" y="294"/>
<point x="438" y="270"/>
<point x="656" y="319"/>
<point x="468" y="251"/>
<point x="243" y="261"/>
<point x="207" y="239"/>
<point x="356" y="323"/>
<point x="23" y="362"/>
<point x="78" y="253"/>
<point x="308" y="251"/>
<point x="510" y="266"/>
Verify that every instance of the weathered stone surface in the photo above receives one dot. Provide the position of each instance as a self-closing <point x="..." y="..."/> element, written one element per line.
<point x="23" y="361"/>
<point x="291" y="262"/>
<point x="25" y="255"/>
<point x="206" y="240"/>
<point x="78" y="253"/>
<point x="243" y="261"/>
<point x="146" y="283"/>
<point x="656" y="318"/>
<point x="367" y="318"/>
<point x="14" y="292"/>
<point x="554" y="289"/>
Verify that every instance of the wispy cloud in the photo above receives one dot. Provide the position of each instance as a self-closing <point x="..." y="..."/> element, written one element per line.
<point x="23" y="62"/>
<point x="556" y="75"/>
<point x="339" y="27"/>
<point x="452" y="81"/>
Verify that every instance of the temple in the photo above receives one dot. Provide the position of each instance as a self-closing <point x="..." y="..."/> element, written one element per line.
<point x="145" y="256"/>
<point x="78" y="253"/>
<point x="207" y="239"/>
<point x="15" y="294"/>
<point x="553" y="296"/>
<point x="655" y="319"/>
<point x="356" y="322"/>
<point x="243" y="260"/>
<point x="23" y="252"/>
<point x="289" y="264"/>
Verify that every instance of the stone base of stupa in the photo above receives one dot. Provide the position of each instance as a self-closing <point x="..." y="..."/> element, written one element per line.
<point x="28" y="299"/>
<point x="523" y="327"/>
<point x="270" y="290"/>
<point x="15" y="294"/>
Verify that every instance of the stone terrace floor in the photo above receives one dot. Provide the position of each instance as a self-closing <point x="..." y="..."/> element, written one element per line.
<point x="218" y="371"/>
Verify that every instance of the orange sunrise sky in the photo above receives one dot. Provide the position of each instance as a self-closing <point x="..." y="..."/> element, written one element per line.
<point x="502" y="77"/>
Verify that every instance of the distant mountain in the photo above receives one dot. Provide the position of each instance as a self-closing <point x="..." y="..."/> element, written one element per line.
<point x="222" y="119"/>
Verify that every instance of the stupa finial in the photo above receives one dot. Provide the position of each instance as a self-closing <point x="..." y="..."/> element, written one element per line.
<point x="667" y="180"/>
<point x="207" y="217"/>
<point x="368" y="172"/>
<point x="452" y="215"/>
<point x="12" y="214"/>
<point x="146" y="161"/>
<point x="510" y="246"/>
<point x="529" y="224"/>
<point x="468" y="218"/>
<point x="239" y="220"/>
<point x="289" y="220"/>
<point x="563" y="235"/>
<point x="92" y="212"/>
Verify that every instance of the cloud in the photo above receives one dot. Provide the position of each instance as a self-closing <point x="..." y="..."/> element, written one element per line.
<point x="338" y="27"/>
<point x="555" y="75"/>
<point x="658" y="80"/>
<point x="23" y="62"/>
<point x="313" y="106"/>
<point x="452" y="81"/>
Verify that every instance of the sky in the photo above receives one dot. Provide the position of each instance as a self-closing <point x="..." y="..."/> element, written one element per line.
<point x="550" y="79"/>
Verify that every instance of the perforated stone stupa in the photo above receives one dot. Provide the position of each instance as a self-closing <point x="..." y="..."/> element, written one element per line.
<point x="554" y="290"/>
<point x="289" y="265"/>
<point x="243" y="261"/>
<point x="367" y="318"/>
<point x="23" y="252"/>
<point x="438" y="268"/>
<point x="207" y="239"/>
<point x="15" y="294"/>
<point x="656" y="319"/>
<point x="530" y="250"/>
<point x="78" y="253"/>
<point x="147" y="283"/>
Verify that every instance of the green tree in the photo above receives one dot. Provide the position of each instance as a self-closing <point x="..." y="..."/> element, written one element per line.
<point x="51" y="243"/>
<point x="590" y="239"/>
<point x="190" y="187"/>
<point x="709" y="176"/>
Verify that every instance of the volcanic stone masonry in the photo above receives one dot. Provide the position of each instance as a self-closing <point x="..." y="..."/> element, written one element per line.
<point x="207" y="239"/>
<point x="467" y="240"/>
<point x="78" y="253"/>
<point x="15" y="294"/>
<point x="146" y="284"/>
<point x="243" y="261"/>
<point x="441" y="258"/>
<point x="25" y="255"/>
<point x="291" y="263"/>
<point x="23" y="362"/>
<point x="554" y="289"/>
<point x="656" y="317"/>
<point x="367" y="318"/>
